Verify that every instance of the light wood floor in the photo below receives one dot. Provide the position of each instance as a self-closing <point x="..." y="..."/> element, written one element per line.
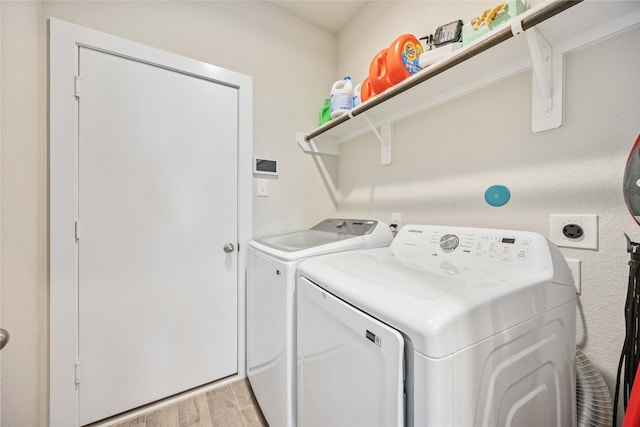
<point x="230" y="406"/>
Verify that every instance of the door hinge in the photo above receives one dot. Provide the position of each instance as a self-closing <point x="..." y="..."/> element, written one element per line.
<point x="77" y="230"/>
<point x="77" y="81"/>
<point x="76" y="366"/>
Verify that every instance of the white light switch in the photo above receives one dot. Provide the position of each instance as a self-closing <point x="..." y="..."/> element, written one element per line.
<point x="262" y="187"/>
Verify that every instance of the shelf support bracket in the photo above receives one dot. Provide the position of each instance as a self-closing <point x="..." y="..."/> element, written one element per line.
<point x="384" y="135"/>
<point x="546" y="97"/>
<point x="310" y="146"/>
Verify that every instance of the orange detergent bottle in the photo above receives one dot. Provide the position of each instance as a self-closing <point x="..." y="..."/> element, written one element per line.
<point x="395" y="63"/>
<point x="403" y="58"/>
<point x="379" y="73"/>
<point x="366" y="91"/>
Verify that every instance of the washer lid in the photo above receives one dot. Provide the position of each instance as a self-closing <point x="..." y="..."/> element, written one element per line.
<point x="445" y="298"/>
<point x="330" y="235"/>
<point x="300" y="240"/>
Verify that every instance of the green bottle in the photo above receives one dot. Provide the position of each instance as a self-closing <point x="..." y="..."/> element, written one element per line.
<point x="325" y="112"/>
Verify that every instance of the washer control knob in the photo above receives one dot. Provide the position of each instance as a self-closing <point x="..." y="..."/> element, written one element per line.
<point x="449" y="242"/>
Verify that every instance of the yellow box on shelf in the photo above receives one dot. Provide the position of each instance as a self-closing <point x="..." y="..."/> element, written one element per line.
<point x="490" y="19"/>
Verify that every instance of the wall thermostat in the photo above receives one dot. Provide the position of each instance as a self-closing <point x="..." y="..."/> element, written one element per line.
<point x="265" y="167"/>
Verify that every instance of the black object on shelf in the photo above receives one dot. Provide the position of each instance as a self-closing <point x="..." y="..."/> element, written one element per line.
<point x="448" y="33"/>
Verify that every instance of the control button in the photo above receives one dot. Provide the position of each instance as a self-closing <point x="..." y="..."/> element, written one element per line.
<point x="449" y="242"/>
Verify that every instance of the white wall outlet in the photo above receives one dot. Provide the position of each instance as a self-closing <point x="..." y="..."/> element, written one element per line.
<point x="574" y="266"/>
<point x="262" y="187"/>
<point x="396" y="218"/>
<point x="574" y="231"/>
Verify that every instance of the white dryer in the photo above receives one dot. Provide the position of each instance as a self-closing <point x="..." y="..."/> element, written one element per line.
<point x="448" y="326"/>
<point x="271" y="304"/>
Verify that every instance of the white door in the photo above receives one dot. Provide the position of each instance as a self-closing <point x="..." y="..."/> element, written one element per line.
<point x="350" y="365"/>
<point x="157" y="203"/>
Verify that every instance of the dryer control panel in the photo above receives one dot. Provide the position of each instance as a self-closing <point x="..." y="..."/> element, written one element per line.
<point x="467" y="243"/>
<point x="504" y="247"/>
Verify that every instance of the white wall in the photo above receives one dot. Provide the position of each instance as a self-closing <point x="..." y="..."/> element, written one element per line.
<point x="445" y="159"/>
<point x="292" y="65"/>
<point x="23" y="165"/>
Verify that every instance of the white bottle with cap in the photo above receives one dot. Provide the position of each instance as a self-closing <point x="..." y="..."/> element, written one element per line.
<point x="341" y="97"/>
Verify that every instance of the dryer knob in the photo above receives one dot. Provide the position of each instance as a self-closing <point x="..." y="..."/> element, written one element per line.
<point x="449" y="242"/>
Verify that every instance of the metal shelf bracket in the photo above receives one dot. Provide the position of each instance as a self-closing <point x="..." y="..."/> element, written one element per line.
<point x="384" y="135"/>
<point x="546" y="97"/>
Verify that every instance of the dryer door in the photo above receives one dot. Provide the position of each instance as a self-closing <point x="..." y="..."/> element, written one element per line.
<point x="350" y="366"/>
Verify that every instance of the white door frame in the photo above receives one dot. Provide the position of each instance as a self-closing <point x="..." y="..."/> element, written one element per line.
<point x="65" y="39"/>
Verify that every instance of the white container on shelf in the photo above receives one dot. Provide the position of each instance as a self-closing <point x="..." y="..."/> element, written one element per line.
<point x="434" y="55"/>
<point x="341" y="97"/>
<point x="357" y="100"/>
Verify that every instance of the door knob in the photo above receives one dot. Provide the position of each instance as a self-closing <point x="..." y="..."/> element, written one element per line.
<point x="229" y="247"/>
<point x="4" y="338"/>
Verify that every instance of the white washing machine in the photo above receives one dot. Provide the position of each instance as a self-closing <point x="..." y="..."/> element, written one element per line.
<point x="448" y="326"/>
<point x="271" y="304"/>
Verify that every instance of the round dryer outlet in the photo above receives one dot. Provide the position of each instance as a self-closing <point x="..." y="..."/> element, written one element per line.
<point x="572" y="231"/>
